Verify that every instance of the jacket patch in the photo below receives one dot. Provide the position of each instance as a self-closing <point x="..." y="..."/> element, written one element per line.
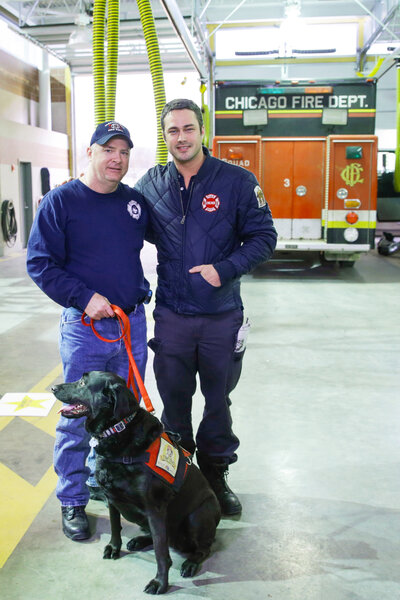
<point x="134" y="209"/>
<point x="210" y="203"/>
<point x="260" y="197"/>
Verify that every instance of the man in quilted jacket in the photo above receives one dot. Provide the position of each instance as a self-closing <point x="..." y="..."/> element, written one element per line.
<point x="211" y="224"/>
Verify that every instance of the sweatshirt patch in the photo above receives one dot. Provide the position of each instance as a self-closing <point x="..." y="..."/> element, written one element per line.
<point x="134" y="209"/>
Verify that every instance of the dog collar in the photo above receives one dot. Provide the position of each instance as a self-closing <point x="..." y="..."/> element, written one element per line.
<point x="118" y="427"/>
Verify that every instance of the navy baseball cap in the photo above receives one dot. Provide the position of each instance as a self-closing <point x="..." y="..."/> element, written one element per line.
<point x="109" y="129"/>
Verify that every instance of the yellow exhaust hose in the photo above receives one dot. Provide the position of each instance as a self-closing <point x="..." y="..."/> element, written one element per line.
<point x="206" y="116"/>
<point x="99" y="13"/>
<point x="112" y="57"/>
<point x="104" y="103"/>
<point x="153" y="52"/>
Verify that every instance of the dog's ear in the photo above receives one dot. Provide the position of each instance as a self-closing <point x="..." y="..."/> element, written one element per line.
<point x="124" y="400"/>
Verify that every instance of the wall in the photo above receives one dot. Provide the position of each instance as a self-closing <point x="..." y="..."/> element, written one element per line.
<point x="19" y="85"/>
<point x="58" y="100"/>
<point x="22" y="140"/>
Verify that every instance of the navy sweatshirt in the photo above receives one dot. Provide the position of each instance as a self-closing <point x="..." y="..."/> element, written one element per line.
<point x="84" y="242"/>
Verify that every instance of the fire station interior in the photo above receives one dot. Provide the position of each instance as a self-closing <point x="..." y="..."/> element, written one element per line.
<point x="317" y="407"/>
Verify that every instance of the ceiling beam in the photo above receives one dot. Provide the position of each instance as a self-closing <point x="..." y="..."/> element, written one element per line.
<point x="362" y="52"/>
<point x="178" y="23"/>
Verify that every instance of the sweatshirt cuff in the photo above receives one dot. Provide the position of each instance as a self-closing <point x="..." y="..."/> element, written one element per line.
<point x="225" y="270"/>
<point x="84" y="298"/>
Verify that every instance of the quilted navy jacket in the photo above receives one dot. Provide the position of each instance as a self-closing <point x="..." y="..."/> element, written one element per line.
<point x="228" y="224"/>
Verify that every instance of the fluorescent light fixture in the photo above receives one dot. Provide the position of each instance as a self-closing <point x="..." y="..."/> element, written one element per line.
<point x="257" y="116"/>
<point x="334" y="116"/>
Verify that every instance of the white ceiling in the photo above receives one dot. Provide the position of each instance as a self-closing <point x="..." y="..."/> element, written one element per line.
<point x="51" y="22"/>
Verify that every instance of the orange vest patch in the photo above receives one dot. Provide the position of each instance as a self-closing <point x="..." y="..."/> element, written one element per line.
<point x="168" y="460"/>
<point x="165" y="459"/>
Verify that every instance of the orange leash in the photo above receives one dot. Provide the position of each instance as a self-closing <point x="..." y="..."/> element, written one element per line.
<point x="133" y="373"/>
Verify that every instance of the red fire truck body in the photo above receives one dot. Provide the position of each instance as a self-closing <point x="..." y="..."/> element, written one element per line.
<point x="321" y="187"/>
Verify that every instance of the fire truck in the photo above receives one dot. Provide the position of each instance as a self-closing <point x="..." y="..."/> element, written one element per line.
<point x="313" y="150"/>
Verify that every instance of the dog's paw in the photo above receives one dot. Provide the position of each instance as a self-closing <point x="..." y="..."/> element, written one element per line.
<point x="111" y="552"/>
<point x="189" y="568"/>
<point x="139" y="543"/>
<point x="156" y="587"/>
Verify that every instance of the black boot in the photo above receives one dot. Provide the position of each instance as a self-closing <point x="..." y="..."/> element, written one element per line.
<point x="75" y="522"/>
<point x="216" y="474"/>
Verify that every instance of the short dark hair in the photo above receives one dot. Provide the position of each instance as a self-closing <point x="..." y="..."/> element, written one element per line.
<point x="180" y="104"/>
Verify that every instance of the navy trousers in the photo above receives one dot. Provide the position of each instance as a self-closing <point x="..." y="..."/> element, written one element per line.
<point x="187" y="345"/>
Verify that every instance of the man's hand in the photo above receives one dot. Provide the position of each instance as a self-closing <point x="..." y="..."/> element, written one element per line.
<point x="208" y="273"/>
<point x="99" y="308"/>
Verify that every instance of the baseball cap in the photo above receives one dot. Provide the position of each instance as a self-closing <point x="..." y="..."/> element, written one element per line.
<point x="109" y="129"/>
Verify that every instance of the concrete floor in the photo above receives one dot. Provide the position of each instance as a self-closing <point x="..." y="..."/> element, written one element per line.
<point x="318" y="414"/>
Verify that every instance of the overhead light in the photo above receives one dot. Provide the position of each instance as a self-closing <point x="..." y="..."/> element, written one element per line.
<point x="289" y="28"/>
<point x="292" y="9"/>
<point x="81" y="36"/>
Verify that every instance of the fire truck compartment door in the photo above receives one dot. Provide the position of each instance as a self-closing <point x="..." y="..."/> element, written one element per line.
<point x="243" y="151"/>
<point x="293" y="180"/>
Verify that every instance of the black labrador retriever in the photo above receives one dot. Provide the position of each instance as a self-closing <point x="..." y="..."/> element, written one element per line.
<point x="146" y="476"/>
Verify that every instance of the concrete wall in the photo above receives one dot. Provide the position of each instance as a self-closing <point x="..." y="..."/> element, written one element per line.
<point x="23" y="141"/>
<point x="26" y="144"/>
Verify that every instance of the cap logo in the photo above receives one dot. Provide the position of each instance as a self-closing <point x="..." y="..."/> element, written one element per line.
<point x="105" y="131"/>
<point x="210" y="203"/>
<point x="114" y="126"/>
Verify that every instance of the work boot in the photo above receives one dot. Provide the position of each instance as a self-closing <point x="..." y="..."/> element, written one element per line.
<point x="216" y="475"/>
<point x="75" y="522"/>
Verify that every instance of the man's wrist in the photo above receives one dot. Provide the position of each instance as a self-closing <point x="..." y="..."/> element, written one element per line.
<point x="225" y="270"/>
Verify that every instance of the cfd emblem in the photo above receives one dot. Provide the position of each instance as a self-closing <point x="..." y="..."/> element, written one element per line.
<point x="352" y="174"/>
<point x="210" y="203"/>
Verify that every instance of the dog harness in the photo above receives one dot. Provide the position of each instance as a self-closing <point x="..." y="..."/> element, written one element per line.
<point x="165" y="459"/>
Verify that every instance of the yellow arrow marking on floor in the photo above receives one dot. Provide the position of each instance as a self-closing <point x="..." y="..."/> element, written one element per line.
<point x="20" y="501"/>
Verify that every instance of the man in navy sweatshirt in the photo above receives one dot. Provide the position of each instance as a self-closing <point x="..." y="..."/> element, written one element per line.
<point x="84" y="253"/>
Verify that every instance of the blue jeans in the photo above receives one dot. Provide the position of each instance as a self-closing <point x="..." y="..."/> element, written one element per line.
<point x="81" y="351"/>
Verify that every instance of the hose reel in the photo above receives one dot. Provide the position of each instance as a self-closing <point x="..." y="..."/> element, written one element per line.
<point x="8" y="222"/>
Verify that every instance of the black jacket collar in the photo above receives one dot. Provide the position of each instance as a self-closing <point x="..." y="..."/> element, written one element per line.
<point x="203" y="169"/>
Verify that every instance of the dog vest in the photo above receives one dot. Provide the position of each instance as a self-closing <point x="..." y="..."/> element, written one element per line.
<point x="165" y="459"/>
